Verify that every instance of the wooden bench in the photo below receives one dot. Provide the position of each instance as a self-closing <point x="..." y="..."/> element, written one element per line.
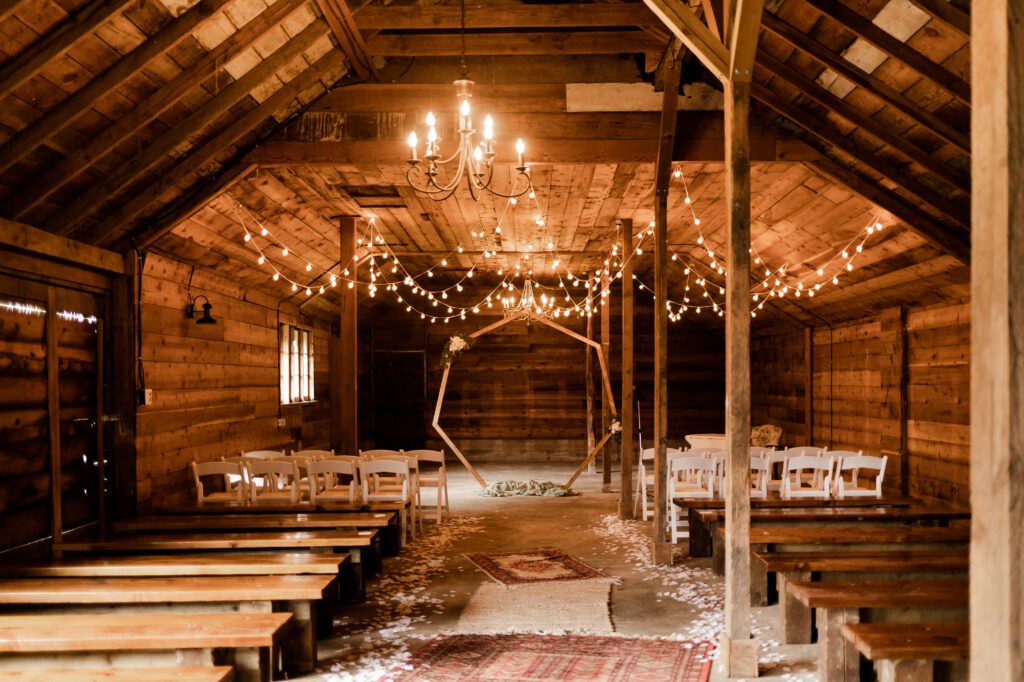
<point x="296" y="594"/>
<point x="352" y="542"/>
<point x="211" y="674"/>
<point x="244" y="641"/>
<point x="840" y="603"/>
<point x="795" y="619"/>
<point x="906" y="652"/>
<point x="155" y="565"/>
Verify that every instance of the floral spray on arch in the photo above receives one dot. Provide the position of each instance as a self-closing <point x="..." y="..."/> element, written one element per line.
<point x="454" y="346"/>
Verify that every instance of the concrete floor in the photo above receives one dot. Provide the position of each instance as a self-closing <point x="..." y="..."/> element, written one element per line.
<point x="421" y="592"/>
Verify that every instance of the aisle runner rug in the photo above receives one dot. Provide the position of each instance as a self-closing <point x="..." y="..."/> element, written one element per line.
<point x="536" y="566"/>
<point x="553" y="608"/>
<point x="567" y="658"/>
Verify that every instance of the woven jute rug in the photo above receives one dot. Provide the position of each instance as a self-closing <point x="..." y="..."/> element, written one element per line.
<point x="535" y="566"/>
<point x="567" y="658"/>
<point x="551" y="608"/>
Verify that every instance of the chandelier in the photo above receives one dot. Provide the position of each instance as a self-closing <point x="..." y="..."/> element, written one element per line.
<point x="470" y="160"/>
<point x="527" y="303"/>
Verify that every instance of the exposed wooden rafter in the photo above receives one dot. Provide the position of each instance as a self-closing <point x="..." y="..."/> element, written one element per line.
<point x="944" y="12"/>
<point x="896" y="49"/>
<point x="100" y="145"/>
<point x="343" y="25"/>
<point x="868" y="82"/>
<point x="7" y="8"/>
<point x="746" y="26"/>
<point x="446" y="17"/>
<point x="538" y="43"/>
<point x="694" y="34"/>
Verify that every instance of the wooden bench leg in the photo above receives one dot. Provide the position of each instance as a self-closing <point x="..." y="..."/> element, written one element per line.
<point x="357" y="579"/>
<point x="403" y="522"/>
<point x="718" y="551"/>
<point x="794" y="617"/>
<point x="758" y="578"/>
<point x="904" y="671"/>
<point x="392" y="543"/>
<point x="838" y="660"/>
<point x="251" y="664"/>
<point x="700" y="536"/>
<point x="299" y="646"/>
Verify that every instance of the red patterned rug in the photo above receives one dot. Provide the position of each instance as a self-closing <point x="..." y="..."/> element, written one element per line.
<point x="536" y="566"/>
<point x="567" y="658"/>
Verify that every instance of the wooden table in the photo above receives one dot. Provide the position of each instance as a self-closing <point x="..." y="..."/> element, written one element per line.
<point x="296" y="594"/>
<point x="906" y="652"/>
<point x="840" y="603"/>
<point x="155" y="565"/>
<point x="795" y="619"/>
<point x="244" y="641"/>
<point x="218" y="673"/>
<point x="353" y="542"/>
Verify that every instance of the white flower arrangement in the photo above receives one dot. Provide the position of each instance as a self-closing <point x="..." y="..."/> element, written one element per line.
<point x="454" y="346"/>
<point x="615" y="426"/>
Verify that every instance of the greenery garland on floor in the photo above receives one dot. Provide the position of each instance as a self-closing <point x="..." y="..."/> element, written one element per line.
<point x="533" y="488"/>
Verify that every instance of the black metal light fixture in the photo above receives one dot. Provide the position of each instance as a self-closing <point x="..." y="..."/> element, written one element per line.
<point x="190" y="310"/>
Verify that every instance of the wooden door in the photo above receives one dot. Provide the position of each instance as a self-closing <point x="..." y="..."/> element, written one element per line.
<point x="399" y="401"/>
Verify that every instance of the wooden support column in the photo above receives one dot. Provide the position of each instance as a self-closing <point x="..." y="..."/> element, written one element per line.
<point x="53" y="412"/>
<point x="663" y="176"/>
<point x="997" y="341"/>
<point x="590" y="381"/>
<point x="344" y="393"/>
<point x="808" y="386"/>
<point x="739" y="650"/>
<point x="606" y="408"/>
<point x="894" y="377"/>
<point x="627" y="447"/>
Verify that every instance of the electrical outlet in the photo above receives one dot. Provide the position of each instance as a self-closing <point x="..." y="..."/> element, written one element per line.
<point x="281" y="422"/>
<point x="148" y="396"/>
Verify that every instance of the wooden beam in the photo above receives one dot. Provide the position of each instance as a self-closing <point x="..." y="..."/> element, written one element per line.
<point x="535" y="43"/>
<point x="662" y="179"/>
<point x="446" y="17"/>
<point x="81" y="101"/>
<point x="29" y="238"/>
<point x="57" y="42"/>
<point x="627" y="445"/>
<point x="66" y="220"/>
<point x="122" y="377"/>
<point x="945" y="13"/>
<point x="7" y="8"/>
<point x="692" y="33"/>
<point x="739" y="649"/>
<point x="606" y="413"/>
<point x="997" y="353"/>
<point x="344" y="395"/>
<point x="100" y="145"/>
<point x="746" y="27"/>
<point x="589" y="374"/>
<point x="831" y="136"/>
<point x="896" y="49"/>
<point x="875" y="86"/>
<point x="343" y="25"/>
<point x="812" y="90"/>
<point x="713" y="16"/>
<point x="937" y="235"/>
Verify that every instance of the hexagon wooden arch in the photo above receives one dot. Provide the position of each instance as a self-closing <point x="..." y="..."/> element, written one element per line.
<point x="605" y="381"/>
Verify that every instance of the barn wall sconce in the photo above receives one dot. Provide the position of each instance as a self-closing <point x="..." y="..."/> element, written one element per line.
<point x="206" y="318"/>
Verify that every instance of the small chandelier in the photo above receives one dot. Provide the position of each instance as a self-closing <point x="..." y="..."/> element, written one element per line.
<point x="470" y="160"/>
<point x="527" y="303"/>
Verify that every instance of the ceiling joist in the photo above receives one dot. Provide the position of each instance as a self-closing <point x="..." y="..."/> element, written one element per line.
<point x="482" y="17"/>
<point x="536" y="43"/>
<point x="694" y="34"/>
<point x="946" y="13"/>
<point x="343" y="25"/>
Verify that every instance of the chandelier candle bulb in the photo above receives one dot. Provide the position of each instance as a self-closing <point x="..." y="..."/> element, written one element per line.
<point x="412" y="144"/>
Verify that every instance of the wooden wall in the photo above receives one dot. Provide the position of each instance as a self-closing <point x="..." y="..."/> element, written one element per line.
<point x="859" y="385"/>
<point x="215" y="387"/>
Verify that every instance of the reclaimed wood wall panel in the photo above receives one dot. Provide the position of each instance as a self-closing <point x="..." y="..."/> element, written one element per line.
<point x="215" y="387"/>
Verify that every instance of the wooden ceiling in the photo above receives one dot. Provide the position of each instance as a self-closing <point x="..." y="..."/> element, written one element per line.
<point x="158" y="124"/>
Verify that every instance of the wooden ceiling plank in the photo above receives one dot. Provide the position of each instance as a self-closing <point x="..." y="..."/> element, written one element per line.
<point x="943" y="12"/>
<point x="132" y="63"/>
<point x="746" y="26"/>
<point x="7" y="8"/>
<point x="894" y="48"/>
<point x="57" y="42"/>
<point x="343" y="25"/>
<point x="220" y="142"/>
<point x="65" y="221"/>
<point x="934" y="233"/>
<point x="829" y="135"/>
<point x="846" y="110"/>
<point x="862" y="79"/>
<point x="535" y="43"/>
<point x="694" y="34"/>
<point x="446" y="17"/>
<point x="29" y="238"/>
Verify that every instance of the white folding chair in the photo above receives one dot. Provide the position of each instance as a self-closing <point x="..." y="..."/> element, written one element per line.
<point x="229" y="472"/>
<point x="808" y="451"/>
<point x="794" y="478"/>
<point x="776" y="460"/>
<point x="433" y="475"/>
<point x="855" y="463"/>
<point x="273" y="481"/>
<point x="689" y="478"/>
<point x="387" y="480"/>
<point x="262" y="454"/>
<point x="760" y="470"/>
<point x="373" y="454"/>
<point x="333" y="479"/>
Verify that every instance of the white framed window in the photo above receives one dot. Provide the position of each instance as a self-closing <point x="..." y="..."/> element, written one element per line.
<point x="296" y="364"/>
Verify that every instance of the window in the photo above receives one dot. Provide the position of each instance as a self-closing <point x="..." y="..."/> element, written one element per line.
<point x="296" y="364"/>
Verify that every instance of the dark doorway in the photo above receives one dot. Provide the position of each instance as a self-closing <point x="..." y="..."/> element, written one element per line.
<point x="399" y="403"/>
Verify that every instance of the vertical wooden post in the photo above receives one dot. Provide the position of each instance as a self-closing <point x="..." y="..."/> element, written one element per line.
<point x="123" y="389"/>
<point x="606" y="408"/>
<point x="101" y="499"/>
<point x="997" y="349"/>
<point x="894" y="388"/>
<point x="738" y="648"/>
<point x="344" y="393"/>
<point x="590" y="379"/>
<point x="808" y="386"/>
<point x="663" y="175"/>
<point x="626" y="447"/>
<point x="53" y="412"/>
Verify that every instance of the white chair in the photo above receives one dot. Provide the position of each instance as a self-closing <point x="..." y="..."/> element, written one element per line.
<point x="644" y="478"/>
<point x="373" y="454"/>
<point x="416" y="519"/>
<point x="333" y="479"/>
<point x="759" y="451"/>
<point x="689" y="478"/>
<point x="229" y="472"/>
<point x="262" y="454"/>
<point x="387" y="480"/>
<point x="434" y="475"/>
<point x="808" y="451"/>
<point x="794" y="477"/>
<point x="855" y="462"/>
<point x="273" y="481"/>
<point x="718" y="457"/>
<point x="760" y="470"/>
<point x="776" y="459"/>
